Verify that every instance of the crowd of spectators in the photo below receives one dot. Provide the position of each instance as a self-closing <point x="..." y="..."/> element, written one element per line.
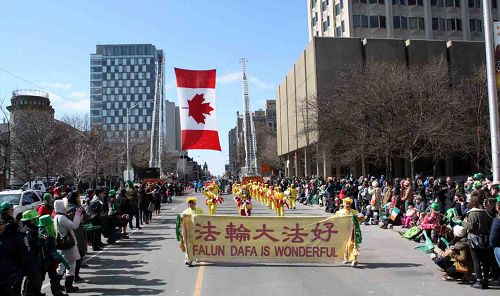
<point x="54" y="238"/>
<point x="458" y="220"/>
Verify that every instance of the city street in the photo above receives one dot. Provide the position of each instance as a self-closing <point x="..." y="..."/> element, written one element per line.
<point x="150" y="263"/>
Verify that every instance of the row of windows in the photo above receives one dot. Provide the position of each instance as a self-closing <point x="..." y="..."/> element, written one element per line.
<point x="123" y="112"/>
<point x="118" y="98"/>
<point x="414" y="23"/>
<point x="117" y="120"/>
<point x="121" y="69"/>
<point x="435" y="3"/>
<point x="126" y="61"/>
<point x="124" y="90"/>
<point x="122" y="134"/>
<point x="126" y="76"/>
<point x="338" y="7"/>
<point x="121" y="83"/>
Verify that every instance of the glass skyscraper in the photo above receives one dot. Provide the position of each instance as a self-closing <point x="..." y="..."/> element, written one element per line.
<point x="122" y="76"/>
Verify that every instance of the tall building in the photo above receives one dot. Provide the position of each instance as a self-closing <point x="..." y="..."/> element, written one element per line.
<point x="406" y="19"/>
<point x="271" y="115"/>
<point x="172" y="127"/>
<point x="232" y="151"/>
<point x="123" y="76"/>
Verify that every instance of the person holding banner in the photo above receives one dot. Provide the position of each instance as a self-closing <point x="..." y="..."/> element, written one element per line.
<point x="191" y="211"/>
<point x="352" y="249"/>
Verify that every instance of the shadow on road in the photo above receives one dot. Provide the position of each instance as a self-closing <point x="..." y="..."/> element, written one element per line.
<point x="386" y="265"/>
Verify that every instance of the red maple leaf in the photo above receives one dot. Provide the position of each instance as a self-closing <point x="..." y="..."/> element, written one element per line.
<point x="198" y="109"/>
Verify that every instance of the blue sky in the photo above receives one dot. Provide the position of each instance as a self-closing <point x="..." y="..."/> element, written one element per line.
<point x="49" y="43"/>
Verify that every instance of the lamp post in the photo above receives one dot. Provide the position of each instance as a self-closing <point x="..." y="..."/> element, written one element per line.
<point x="128" y="151"/>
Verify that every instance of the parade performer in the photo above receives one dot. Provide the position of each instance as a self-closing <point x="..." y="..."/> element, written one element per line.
<point x="212" y="197"/>
<point x="279" y="199"/>
<point x="262" y="192"/>
<point x="245" y="205"/>
<point x="191" y="211"/>
<point x="292" y="196"/>
<point x="270" y="198"/>
<point x="352" y="248"/>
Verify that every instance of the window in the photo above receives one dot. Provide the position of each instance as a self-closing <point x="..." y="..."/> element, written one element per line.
<point x="450" y="25"/>
<point x="472" y="24"/>
<point x="404" y="22"/>
<point x="324" y="5"/>
<point x="337" y="9"/>
<point x="421" y="23"/>
<point x="396" y="22"/>
<point x="382" y="21"/>
<point x="435" y="23"/>
<point x="479" y="25"/>
<point x="356" y="22"/>
<point x="412" y="2"/>
<point x="364" y="21"/>
<point x="338" y="32"/>
<point x="459" y="24"/>
<point x="341" y="25"/>
<point x="374" y="21"/>
<point x="413" y="23"/>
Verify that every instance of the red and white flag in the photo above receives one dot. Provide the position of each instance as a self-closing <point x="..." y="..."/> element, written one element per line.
<point x="196" y="95"/>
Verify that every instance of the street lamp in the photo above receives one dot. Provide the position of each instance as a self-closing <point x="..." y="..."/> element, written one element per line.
<point x="128" y="151"/>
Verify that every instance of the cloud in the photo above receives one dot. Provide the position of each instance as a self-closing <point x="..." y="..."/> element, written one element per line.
<point x="230" y="77"/>
<point x="78" y="94"/>
<point x="170" y="85"/>
<point x="259" y="83"/>
<point x="66" y="106"/>
<point x="236" y="77"/>
<point x="58" y="85"/>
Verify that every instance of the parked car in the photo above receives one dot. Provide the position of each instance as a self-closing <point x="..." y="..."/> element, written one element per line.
<point x="21" y="199"/>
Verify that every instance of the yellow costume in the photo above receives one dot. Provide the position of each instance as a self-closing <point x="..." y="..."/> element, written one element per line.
<point x="212" y="195"/>
<point x="292" y="196"/>
<point x="192" y="211"/>
<point x="279" y="199"/>
<point x="352" y="249"/>
<point x="270" y="197"/>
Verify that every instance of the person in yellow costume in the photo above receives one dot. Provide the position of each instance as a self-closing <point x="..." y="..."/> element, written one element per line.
<point x="191" y="211"/>
<point x="279" y="199"/>
<point x="270" y="198"/>
<point x="352" y="249"/>
<point x="292" y="196"/>
<point x="262" y="190"/>
<point x="236" y="188"/>
<point x="212" y="195"/>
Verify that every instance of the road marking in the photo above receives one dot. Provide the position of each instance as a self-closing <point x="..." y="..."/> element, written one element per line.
<point x="199" y="281"/>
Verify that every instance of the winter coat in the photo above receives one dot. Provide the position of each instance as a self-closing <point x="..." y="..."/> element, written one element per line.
<point x="376" y="194"/>
<point x="478" y="222"/>
<point x="495" y="233"/>
<point x="15" y="257"/>
<point x="81" y="237"/>
<point x="63" y="226"/>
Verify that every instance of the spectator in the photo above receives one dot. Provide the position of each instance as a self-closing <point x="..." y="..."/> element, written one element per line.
<point x="478" y="226"/>
<point x="95" y="213"/>
<point x="65" y="226"/>
<point x="81" y="238"/>
<point x="46" y="206"/>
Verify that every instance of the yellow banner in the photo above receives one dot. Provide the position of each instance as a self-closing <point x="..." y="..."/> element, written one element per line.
<point x="266" y="239"/>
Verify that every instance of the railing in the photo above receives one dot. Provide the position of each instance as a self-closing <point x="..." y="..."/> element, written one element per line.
<point x="30" y="92"/>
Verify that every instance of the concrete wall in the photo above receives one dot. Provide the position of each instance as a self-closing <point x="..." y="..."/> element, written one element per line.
<point x="422" y="51"/>
<point x="464" y="57"/>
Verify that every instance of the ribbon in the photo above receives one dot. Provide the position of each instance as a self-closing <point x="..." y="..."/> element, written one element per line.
<point x="357" y="230"/>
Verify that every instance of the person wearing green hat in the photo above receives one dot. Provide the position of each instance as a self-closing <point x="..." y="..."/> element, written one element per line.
<point x="16" y="258"/>
<point x="46" y="206"/>
<point x="7" y="208"/>
<point x="30" y="220"/>
<point x="51" y="258"/>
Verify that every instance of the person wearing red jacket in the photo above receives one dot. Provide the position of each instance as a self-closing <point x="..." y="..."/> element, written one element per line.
<point x="46" y="207"/>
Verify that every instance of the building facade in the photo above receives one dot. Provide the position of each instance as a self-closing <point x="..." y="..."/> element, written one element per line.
<point x="404" y="19"/>
<point x="172" y="127"/>
<point x="271" y="115"/>
<point x="318" y="66"/>
<point x="123" y="77"/>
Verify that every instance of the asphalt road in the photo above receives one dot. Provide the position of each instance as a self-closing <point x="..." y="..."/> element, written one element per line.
<point x="150" y="263"/>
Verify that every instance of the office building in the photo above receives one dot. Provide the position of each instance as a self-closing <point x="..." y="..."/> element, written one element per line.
<point x="318" y="67"/>
<point x="402" y="19"/>
<point x="123" y="77"/>
<point x="271" y="115"/>
<point x="172" y="127"/>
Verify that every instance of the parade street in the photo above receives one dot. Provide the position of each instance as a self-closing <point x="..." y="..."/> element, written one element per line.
<point x="150" y="263"/>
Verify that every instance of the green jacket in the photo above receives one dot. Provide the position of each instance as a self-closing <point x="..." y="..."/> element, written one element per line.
<point x="478" y="221"/>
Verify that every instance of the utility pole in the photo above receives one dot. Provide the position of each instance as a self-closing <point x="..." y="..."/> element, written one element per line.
<point x="492" y="90"/>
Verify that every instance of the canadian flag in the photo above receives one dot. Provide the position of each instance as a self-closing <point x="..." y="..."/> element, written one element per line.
<point x="196" y="95"/>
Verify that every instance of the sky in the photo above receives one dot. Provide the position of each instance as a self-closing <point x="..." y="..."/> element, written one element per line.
<point x="47" y="44"/>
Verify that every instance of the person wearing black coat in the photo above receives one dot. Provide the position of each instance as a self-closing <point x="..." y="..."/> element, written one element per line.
<point x="15" y="256"/>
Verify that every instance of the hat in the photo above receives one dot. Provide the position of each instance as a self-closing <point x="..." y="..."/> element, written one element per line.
<point x="60" y="207"/>
<point x="459" y="231"/>
<point x="45" y="220"/>
<point x="478" y="176"/>
<point x="130" y="183"/>
<point x="347" y="200"/>
<point x="29" y="215"/>
<point x="477" y="184"/>
<point x="112" y="193"/>
<point x="6" y="205"/>
<point x="46" y="196"/>
<point x="190" y="199"/>
<point x="375" y="183"/>
<point x="435" y="206"/>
